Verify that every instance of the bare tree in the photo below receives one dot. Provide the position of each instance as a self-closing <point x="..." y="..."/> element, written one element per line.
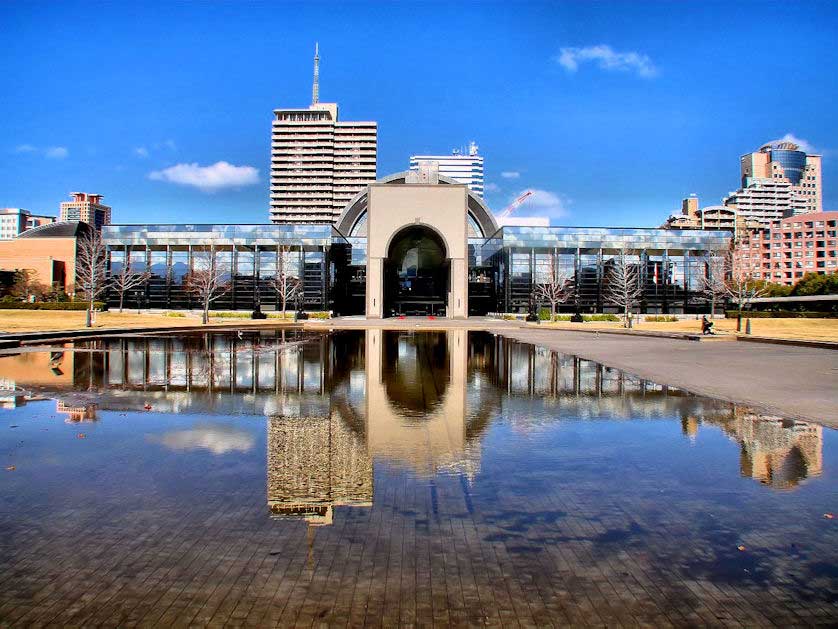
<point x="207" y="280"/>
<point x="740" y="286"/>
<point x="127" y="280"/>
<point x="713" y="283"/>
<point x="622" y="284"/>
<point x="91" y="274"/>
<point x="285" y="282"/>
<point x="554" y="285"/>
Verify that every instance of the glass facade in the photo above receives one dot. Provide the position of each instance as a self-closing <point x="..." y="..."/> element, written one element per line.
<point x="502" y="269"/>
<point x="793" y="163"/>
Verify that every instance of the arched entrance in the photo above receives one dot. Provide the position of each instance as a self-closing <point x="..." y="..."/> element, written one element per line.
<point x="416" y="273"/>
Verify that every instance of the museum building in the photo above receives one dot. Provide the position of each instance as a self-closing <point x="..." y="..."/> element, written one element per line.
<point x="413" y="243"/>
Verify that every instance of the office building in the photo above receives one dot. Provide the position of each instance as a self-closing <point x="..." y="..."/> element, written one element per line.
<point x="14" y="221"/>
<point x="87" y="208"/>
<point x="318" y="162"/>
<point x="405" y="247"/>
<point x="462" y="168"/>
<point x="778" y="180"/>
<point x="785" y="250"/>
<point x="721" y="217"/>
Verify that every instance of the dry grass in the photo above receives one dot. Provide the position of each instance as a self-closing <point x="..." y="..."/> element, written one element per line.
<point x="43" y="320"/>
<point x="809" y="329"/>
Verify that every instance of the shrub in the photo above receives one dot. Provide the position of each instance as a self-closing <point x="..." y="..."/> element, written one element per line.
<point x="781" y="314"/>
<point x="601" y="317"/>
<point x="175" y="314"/>
<point x="230" y="315"/>
<point x="662" y="318"/>
<point x="544" y="314"/>
<point x="319" y="315"/>
<point x="50" y="305"/>
<point x="279" y="315"/>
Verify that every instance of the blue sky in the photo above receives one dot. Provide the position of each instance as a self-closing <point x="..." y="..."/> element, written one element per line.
<point x="613" y="111"/>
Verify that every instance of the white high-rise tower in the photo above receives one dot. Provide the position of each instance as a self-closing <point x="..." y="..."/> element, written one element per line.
<point x="467" y="169"/>
<point x="318" y="163"/>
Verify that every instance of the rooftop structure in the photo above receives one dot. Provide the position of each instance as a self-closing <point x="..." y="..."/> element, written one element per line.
<point x="465" y="168"/>
<point x="778" y="180"/>
<point x="318" y="163"/>
<point x="86" y="207"/>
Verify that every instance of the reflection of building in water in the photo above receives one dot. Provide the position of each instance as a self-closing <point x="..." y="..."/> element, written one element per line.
<point x="778" y="452"/>
<point x="416" y="401"/>
<point x="315" y="464"/>
<point x="523" y="375"/>
<point x="10" y="395"/>
<point x="76" y="412"/>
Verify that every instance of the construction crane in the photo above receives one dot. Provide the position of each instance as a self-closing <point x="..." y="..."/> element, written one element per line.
<point x="509" y="209"/>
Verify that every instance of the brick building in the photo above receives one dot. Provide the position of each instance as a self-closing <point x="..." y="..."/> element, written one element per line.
<point x="785" y="250"/>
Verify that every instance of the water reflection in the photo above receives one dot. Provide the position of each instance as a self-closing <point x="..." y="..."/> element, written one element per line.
<point x="336" y="403"/>
<point x="214" y="437"/>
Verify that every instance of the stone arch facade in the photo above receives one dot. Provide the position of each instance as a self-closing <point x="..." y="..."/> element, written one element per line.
<point x="356" y="209"/>
<point x="392" y="205"/>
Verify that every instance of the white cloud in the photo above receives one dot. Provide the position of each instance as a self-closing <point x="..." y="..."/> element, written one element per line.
<point x="208" y="178"/>
<point x="52" y="152"/>
<point x="803" y="144"/>
<point x="606" y="58"/>
<point x="510" y="174"/>
<point x="56" y="152"/>
<point x="141" y="151"/>
<point x="215" y="437"/>
<point x="491" y="187"/>
<point x="542" y="203"/>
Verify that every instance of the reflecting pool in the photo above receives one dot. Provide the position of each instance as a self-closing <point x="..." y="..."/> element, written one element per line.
<point x="382" y="477"/>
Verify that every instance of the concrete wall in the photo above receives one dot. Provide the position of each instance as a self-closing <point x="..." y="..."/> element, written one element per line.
<point x="443" y="208"/>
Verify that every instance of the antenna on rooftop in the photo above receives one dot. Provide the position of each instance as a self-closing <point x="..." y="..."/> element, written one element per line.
<point x="315" y="87"/>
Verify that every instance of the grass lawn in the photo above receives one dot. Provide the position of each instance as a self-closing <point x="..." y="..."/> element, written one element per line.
<point x="810" y="329"/>
<point x="42" y="320"/>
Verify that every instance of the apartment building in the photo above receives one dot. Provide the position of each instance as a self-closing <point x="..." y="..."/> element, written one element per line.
<point x="720" y="217"/>
<point x="778" y="180"/>
<point x="318" y="162"/>
<point x="14" y="221"/>
<point x="786" y="250"/>
<point x="87" y="208"/>
<point x="461" y="167"/>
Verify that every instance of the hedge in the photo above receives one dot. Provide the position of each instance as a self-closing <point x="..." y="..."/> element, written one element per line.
<point x="590" y="317"/>
<point x="50" y="305"/>
<point x="780" y="314"/>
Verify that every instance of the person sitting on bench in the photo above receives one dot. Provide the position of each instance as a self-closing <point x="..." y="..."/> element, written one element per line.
<point x="706" y="326"/>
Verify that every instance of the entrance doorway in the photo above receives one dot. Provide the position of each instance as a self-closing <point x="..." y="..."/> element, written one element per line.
<point x="416" y="273"/>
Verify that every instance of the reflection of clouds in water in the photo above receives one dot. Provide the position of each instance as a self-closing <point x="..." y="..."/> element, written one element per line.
<point x="217" y="438"/>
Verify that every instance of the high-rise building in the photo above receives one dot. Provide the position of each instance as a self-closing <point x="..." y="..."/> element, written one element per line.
<point x="318" y="163"/>
<point x="15" y="221"/>
<point x="778" y="180"/>
<point x="462" y="168"/>
<point x="87" y="208"/>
